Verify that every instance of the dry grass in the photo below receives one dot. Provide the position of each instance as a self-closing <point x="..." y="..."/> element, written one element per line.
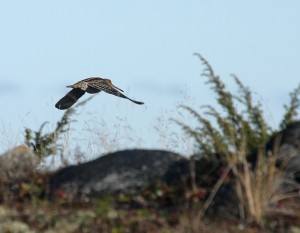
<point x="87" y="217"/>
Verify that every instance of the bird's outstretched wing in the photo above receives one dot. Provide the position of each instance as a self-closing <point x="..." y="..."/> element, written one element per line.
<point x="111" y="90"/>
<point x="100" y="84"/>
<point x="69" y="99"/>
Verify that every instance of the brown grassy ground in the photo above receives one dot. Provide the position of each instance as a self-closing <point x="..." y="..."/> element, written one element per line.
<point x="92" y="217"/>
<point x="26" y="207"/>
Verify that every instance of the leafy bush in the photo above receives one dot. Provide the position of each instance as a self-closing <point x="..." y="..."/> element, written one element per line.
<point x="45" y="144"/>
<point x="231" y="135"/>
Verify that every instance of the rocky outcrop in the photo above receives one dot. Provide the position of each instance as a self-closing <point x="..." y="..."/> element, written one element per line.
<point x="126" y="171"/>
<point x="17" y="164"/>
<point x="289" y="151"/>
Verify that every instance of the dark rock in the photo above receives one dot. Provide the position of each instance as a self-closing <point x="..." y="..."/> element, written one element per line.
<point x="289" y="151"/>
<point x="176" y="172"/>
<point x="126" y="171"/>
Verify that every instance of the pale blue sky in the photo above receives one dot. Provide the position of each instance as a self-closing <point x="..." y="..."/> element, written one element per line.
<point x="146" y="48"/>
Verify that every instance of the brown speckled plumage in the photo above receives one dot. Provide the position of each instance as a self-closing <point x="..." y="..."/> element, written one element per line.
<point x="90" y="85"/>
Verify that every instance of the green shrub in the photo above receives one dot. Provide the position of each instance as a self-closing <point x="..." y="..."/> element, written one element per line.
<point x="234" y="132"/>
<point x="45" y="144"/>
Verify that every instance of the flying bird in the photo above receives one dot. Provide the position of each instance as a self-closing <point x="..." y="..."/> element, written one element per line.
<point x="90" y="85"/>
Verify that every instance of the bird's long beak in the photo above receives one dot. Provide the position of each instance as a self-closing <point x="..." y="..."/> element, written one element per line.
<point x="117" y="88"/>
<point x="70" y="86"/>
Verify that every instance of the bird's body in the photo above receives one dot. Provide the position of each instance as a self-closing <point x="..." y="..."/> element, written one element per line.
<point x="90" y="85"/>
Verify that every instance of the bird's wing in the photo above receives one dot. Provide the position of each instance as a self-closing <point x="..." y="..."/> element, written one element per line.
<point x="110" y="90"/>
<point x="92" y="90"/>
<point x="69" y="99"/>
<point x="101" y="86"/>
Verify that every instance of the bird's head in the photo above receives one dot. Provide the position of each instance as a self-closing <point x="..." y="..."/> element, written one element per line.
<point x="76" y="85"/>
